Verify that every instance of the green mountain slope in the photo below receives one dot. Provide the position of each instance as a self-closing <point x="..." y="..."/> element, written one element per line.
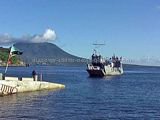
<point x="4" y="53"/>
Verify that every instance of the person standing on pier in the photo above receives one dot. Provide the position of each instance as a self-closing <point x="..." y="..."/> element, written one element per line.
<point x="34" y="75"/>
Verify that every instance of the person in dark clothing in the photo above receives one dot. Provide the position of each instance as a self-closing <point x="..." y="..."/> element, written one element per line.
<point x="33" y="74"/>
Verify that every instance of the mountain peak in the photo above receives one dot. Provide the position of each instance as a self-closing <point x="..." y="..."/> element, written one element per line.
<point x="46" y="53"/>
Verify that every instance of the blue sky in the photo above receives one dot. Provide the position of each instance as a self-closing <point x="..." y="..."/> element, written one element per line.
<point x="130" y="28"/>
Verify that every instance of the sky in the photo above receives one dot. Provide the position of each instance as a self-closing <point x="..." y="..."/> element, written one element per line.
<point x="129" y="28"/>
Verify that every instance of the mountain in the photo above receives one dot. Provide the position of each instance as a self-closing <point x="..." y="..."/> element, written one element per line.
<point x="47" y="54"/>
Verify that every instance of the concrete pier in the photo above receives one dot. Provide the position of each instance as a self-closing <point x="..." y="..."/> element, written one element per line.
<point x="12" y="85"/>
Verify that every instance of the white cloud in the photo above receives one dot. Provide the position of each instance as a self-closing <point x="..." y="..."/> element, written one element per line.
<point x="48" y="36"/>
<point x="6" y="39"/>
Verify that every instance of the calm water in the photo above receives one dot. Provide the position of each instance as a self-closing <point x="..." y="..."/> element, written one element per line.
<point x="134" y="95"/>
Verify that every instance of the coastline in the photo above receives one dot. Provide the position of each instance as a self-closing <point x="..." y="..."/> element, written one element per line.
<point x="14" y="65"/>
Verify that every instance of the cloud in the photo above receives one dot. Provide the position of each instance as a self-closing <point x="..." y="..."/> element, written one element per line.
<point x="5" y="39"/>
<point x="48" y="36"/>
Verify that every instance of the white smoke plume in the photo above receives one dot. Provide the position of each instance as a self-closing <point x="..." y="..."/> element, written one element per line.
<point x="48" y="36"/>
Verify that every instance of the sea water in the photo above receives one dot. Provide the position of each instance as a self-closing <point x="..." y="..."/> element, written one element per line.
<point x="133" y="95"/>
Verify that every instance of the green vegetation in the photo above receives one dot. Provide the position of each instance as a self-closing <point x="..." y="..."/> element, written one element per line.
<point x="4" y="57"/>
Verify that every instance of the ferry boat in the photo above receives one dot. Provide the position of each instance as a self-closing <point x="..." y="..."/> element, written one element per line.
<point x="100" y="67"/>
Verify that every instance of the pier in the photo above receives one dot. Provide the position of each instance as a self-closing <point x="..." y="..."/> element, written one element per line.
<point x="13" y="85"/>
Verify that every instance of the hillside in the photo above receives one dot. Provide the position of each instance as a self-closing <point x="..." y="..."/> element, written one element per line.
<point x="47" y="54"/>
<point x="4" y="52"/>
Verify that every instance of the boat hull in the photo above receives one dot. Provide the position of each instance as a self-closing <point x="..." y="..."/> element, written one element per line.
<point x="96" y="71"/>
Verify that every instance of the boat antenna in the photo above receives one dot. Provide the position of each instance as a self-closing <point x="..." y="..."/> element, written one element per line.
<point x="97" y="46"/>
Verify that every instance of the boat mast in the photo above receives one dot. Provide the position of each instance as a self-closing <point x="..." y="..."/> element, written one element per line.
<point x="97" y="45"/>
